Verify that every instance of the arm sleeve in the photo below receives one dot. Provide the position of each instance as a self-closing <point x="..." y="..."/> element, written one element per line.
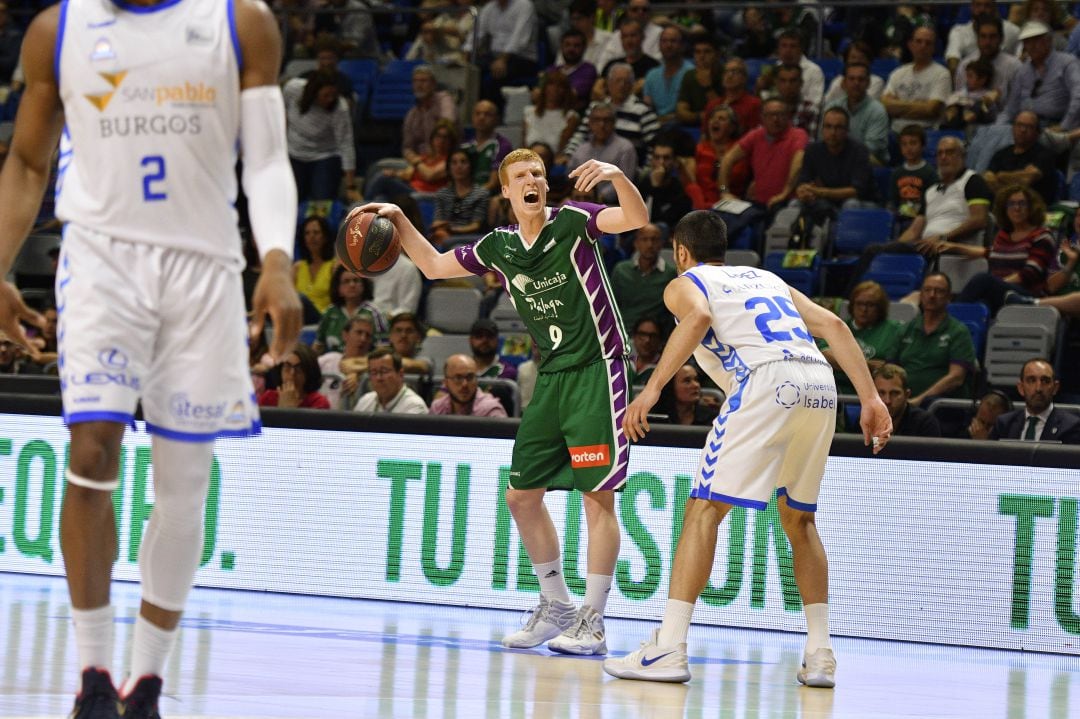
<point x="267" y="176"/>
<point x="343" y="133"/>
<point x="1072" y="80"/>
<point x="976" y="191"/>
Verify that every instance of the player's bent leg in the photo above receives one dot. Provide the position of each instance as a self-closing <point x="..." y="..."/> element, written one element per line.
<point x="586" y="635"/>
<point x="168" y="559"/>
<point x="555" y="612"/>
<point x="811" y="569"/>
<point x="88" y="543"/>
<point x="663" y="656"/>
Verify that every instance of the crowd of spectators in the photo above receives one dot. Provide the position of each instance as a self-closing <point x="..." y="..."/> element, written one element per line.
<point x="964" y="122"/>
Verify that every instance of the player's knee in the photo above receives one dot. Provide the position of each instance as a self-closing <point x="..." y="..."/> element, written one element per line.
<point x="796" y="523"/>
<point x="522" y="500"/>
<point x="95" y="453"/>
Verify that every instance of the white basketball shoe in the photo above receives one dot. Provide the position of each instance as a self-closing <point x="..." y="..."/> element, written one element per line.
<point x="651" y="662"/>
<point x="585" y="635"/>
<point x="818" y="669"/>
<point x="548" y="620"/>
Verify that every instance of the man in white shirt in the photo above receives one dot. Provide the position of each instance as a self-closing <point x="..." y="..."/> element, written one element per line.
<point x="916" y="92"/>
<point x="789" y="51"/>
<point x="506" y="33"/>
<point x="389" y="391"/>
<point x="988" y="36"/>
<point x="963" y="38"/>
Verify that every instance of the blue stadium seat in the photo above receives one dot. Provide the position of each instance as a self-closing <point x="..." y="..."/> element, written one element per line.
<point x="976" y="317"/>
<point x="883" y="66"/>
<point x="830" y="67"/>
<point x="805" y="280"/>
<point x="857" y="229"/>
<point x="910" y="263"/>
<point x="360" y="70"/>
<point x="895" y="284"/>
<point x="392" y="96"/>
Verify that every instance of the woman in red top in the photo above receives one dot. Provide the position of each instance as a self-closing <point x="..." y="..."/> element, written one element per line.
<point x="301" y="379"/>
<point x="427" y="175"/>
<point x="719" y="135"/>
<point x="1022" y="254"/>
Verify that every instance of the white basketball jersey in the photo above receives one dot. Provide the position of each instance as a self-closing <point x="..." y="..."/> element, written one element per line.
<point x="754" y="321"/>
<point x="152" y="105"/>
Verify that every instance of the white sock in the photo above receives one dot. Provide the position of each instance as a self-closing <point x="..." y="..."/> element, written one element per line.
<point x="597" y="589"/>
<point x="94" y="636"/>
<point x="817" y="627"/>
<point x="149" y="650"/>
<point x="552" y="581"/>
<point x="676" y="624"/>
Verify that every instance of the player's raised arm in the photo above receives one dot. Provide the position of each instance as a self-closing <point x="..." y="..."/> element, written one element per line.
<point x="631" y="212"/>
<point x="875" y="421"/>
<point x="268" y="179"/>
<point x="691" y="308"/>
<point x="434" y="264"/>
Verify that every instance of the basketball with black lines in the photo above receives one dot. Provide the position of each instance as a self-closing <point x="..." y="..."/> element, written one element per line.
<point x="368" y="244"/>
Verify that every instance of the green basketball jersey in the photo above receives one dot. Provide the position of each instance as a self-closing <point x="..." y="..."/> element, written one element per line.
<point x="558" y="286"/>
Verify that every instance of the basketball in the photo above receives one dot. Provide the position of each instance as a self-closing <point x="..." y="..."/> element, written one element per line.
<point x="368" y="244"/>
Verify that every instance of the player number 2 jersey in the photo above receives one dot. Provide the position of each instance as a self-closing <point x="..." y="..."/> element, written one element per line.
<point x="754" y="322"/>
<point x="558" y="285"/>
<point x="152" y="108"/>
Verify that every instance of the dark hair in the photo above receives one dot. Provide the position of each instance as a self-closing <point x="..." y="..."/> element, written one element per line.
<point x="555" y="77"/>
<point x="309" y="365"/>
<point x="335" y="280"/>
<point x="409" y="317"/>
<point x="466" y="154"/>
<point x="891" y="371"/>
<point x="667" y="404"/>
<point x="860" y="45"/>
<point x="914" y="130"/>
<point x="647" y="318"/>
<point x="996" y="396"/>
<point x="1053" y="370"/>
<point x="982" y="68"/>
<point x="849" y="65"/>
<point x="789" y="34"/>
<point x="928" y="275"/>
<point x="384" y="351"/>
<point x="1036" y="206"/>
<point x="838" y="110"/>
<point x="789" y="68"/>
<point x="573" y="32"/>
<point x="583" y="7"/>
<point x="988" y="19"/>
<point x="327" y="251"/>
<point x="327" y="42"/>
<point x="321" y="79"/>
<point x="704" y="234"/>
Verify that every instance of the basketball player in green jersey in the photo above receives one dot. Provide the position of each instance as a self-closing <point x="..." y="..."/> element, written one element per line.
<point x="551" y="265"/>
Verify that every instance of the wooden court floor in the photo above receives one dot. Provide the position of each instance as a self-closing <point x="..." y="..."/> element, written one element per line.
<point x="244" y="654"/>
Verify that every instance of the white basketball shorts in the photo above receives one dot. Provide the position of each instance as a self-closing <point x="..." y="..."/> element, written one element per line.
<point x="773" y="433"/>
<point x="140" y="321"/>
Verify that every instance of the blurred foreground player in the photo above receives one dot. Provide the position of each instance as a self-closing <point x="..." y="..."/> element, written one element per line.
<point x="148" y="288"/>
<point x="748" y="330"/>
<point x="552" y="266"/>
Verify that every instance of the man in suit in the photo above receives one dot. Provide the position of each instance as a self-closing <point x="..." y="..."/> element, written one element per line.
<point x="1039" y="420"/>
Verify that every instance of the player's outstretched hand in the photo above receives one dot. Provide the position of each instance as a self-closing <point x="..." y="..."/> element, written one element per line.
<point x="275" y="295"/>
<point x="388" y="210"/>
<point x="12" y="310"/>
<point x="876" y="424"/>
<point x="636" y="420"/>
<point x="592" y="172"/>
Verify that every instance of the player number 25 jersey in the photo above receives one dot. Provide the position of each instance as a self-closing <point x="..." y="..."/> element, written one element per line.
<point x="754" y="322"/>
<point x="558" y="286"/>
<point x="152" y="108"/>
